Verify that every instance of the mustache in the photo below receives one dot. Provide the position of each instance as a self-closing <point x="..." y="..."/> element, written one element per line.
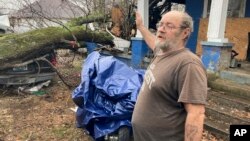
<point x="162" y="45"/>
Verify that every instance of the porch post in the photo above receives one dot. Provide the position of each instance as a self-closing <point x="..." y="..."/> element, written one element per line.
<point x="216" y="51"/>
<point x="139" y="46"/>
<point x="217" y="21"/>
<point x="143" y="7"/>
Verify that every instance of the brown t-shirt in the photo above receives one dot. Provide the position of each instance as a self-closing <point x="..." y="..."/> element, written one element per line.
<point x="170" y="80"/>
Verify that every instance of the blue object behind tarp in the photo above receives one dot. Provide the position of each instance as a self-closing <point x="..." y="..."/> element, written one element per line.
<point x="106" y="95"/>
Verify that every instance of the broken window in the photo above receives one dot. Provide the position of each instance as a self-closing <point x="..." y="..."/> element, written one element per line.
<point x="236" y="8"/>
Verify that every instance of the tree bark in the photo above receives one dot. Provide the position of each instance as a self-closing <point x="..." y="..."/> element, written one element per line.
<point x="17" y="48"/>
<point x="89" y="19"/>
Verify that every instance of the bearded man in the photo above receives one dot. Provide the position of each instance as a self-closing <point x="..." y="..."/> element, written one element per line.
<point x="171" y="102"/>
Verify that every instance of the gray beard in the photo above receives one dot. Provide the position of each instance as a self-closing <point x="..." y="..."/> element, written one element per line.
<point x="163" y="46"/>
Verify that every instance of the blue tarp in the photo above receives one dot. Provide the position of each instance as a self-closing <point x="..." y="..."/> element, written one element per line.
<point x="106" y="95"/>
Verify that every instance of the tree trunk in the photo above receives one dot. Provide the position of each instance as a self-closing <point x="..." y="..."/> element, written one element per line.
<point x="89" y="19"/>
<point x="16" y="48"/>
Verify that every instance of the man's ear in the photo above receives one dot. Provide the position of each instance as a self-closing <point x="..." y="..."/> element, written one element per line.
<point x="186" y="33"/>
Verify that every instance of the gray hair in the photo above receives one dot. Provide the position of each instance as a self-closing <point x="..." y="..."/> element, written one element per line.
<point x="187" y="21"/>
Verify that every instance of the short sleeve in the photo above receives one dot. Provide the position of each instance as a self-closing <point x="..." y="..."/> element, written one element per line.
<point x="192" y="84"/>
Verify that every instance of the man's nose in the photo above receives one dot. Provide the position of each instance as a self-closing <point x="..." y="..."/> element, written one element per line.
<point x="161" y="29"/>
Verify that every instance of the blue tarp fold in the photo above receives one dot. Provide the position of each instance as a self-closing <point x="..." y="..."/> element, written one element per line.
<point x="106" y="95"/>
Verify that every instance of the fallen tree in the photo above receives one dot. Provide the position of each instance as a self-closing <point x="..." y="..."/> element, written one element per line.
<point x="89" y="19"/>
<point x="17" y="48"/>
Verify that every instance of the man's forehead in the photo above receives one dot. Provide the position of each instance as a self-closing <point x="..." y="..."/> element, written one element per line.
<point x="176" y="14"/>
<point x="172" y="17"/>
<point x="166" y="23"/>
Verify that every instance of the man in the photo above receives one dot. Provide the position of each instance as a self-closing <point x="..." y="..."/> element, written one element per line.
<point x="171" y="103"/>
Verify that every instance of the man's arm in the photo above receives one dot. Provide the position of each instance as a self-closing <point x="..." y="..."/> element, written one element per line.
<point x="147" y="35"/>
<point x="194" y="121"/>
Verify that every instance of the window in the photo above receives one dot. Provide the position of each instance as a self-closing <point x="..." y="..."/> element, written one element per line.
<point x="236" y="8"/>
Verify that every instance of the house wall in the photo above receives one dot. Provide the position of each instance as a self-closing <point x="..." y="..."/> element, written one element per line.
<point x="236" y="31"/>
<point x="24" y="25"/>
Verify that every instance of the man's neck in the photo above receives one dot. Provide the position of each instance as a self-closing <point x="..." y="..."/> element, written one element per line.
<point x="160" y="52"/>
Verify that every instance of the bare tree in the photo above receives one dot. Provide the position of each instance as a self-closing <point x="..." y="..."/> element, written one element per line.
<point x="34" y="14"/>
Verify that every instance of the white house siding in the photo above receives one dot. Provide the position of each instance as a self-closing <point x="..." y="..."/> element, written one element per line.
<point x="24" y="25"/>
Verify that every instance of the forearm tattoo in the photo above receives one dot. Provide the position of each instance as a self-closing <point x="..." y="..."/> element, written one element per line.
<point x="191" y="131"/>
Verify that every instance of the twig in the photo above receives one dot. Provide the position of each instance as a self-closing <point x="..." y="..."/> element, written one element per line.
<point x="60" y="23"/>
<point x="28" y="139"/>
<point x="22" y="64"/>
<point x="57" y="72"/>
<point x="43" y="59"/>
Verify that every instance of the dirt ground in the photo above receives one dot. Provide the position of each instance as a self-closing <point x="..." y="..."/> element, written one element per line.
<point x="48" y="116"/>
<point x="44" y="117"/>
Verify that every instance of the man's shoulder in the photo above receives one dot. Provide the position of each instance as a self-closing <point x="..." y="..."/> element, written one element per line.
<point x="188" y="56"/>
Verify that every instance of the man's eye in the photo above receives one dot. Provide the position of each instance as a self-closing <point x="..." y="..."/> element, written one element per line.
<point x="170" y="25"/>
